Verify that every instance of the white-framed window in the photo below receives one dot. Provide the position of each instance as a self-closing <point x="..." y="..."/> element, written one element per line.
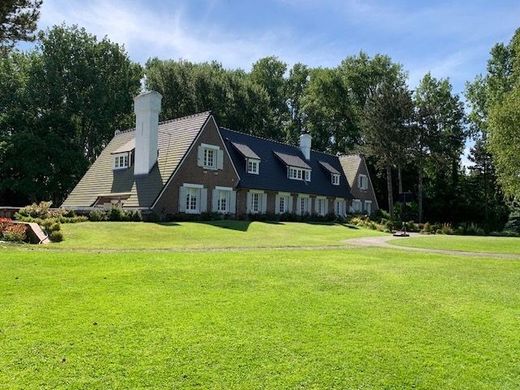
<point x="223" y="201"/>
<point x="255" y="202"/>
<point x="302" y="206"/>
<point x="253" y="166"/>
<point x="299" y="173"/>
<point x="121" y="161"/>
<point x="282" y="206"/>
<point x="368" y="207"/>
<point x="335" y="179"/>
<point x="339" y="207"/>
<point x="210" y="160"/>
<point x="192" y="200"/>
<point x="210" y="157"/>
<point x="356" y="206"/>
<point x="363" y="182"/>
<point x="320" y="205"/>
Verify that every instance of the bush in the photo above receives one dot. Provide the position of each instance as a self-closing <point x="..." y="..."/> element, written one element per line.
<point x="470" y="229"/>
<point x="56" y="236"/>
<point x="55" y="227"/>
<point x="97" y="215"/>
<point x="15" y="232"/>
<point x="427" y="228"/>
<point x="39" y="212"/>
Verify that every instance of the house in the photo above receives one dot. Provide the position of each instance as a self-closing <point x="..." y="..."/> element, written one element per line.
<point x="191" y="165"/>
<point x="364" y="198"/>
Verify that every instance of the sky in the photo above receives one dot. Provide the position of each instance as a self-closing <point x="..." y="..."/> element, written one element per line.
<point x="450" y="39"/>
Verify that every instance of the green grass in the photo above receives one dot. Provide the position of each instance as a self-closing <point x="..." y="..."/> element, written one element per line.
<point x="356" y="318"/>
<point x="506" y="245"/>
<point x="218" y="234"/>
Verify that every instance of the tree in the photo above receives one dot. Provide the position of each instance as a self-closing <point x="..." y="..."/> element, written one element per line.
<point x="386" y="128"/>
<point x="268" y="73"/>
<point x="440" y="135"/>
<point x="73" y="93"/>
<point x="299" y="77"/>
<point x="17" y="22"/>
<point x="504" y="133"/>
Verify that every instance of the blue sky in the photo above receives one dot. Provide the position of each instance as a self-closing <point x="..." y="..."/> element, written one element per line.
<point x="449" y="38"/>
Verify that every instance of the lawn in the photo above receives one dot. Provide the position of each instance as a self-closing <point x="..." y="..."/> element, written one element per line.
<point x="506" y="245"/>
<point x="217" y="234"/>
<point x="271" y="318"/>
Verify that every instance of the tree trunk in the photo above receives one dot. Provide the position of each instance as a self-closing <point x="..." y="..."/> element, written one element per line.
<point x="400" y="179"/>
<point x="420" y="194"/>
<point x="390" y="191"/>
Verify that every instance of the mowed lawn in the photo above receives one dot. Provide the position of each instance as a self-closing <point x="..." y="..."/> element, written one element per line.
<point x="506" y="245"/>
<point x="216" y="234"/>
<point x="356" y="318"/>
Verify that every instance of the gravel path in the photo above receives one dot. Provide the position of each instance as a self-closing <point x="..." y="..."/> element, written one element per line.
<point x="383" y="242"/>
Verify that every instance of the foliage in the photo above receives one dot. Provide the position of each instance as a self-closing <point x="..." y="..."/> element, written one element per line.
<point x="56" y="236"/>
<point x="18" y="20"/>
<point x="42" y="213"/>
<point x="116" y="214"/>
<point x="68" y="96"/>
<point x="13" y="232"/>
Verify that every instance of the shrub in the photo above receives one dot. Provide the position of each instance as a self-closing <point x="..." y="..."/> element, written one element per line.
<point x="97" y="215"/>
<point x="427" y="228"/>
<point x="55" y="227"/>
<point x="446" y="228"/>
<point x="15" y="232"/>
<point x="116" y="214"/>
<point x="56" y="236"/>
<point x="470" y="229"/>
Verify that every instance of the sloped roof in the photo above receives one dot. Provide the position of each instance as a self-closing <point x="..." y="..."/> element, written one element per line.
<point x="273" y="172"/>
<point x="174" y="139"/>
<point x="245" y="151"/>
<point x="329" y="167"/>
<point x="350" y="164"/>
<point x="292" y="160"/>
<point x="128" y="147"/>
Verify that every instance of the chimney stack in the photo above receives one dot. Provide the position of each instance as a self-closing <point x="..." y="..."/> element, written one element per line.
<point x="147" y="107"/>
<point x="305" y="144"/>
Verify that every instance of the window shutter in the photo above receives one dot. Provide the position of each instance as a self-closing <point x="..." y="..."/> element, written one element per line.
<point x="264" y="203"/>
<point x="214" y="200"/>
<point x="233" y="202"/>
<point x="248" y="198"/>
<point x="182" y="199"/>
<point x="325" y="206"/>
<point x="220" y="159"/>
<point x="277" y="204"/>
<point x="200" y="156"/>
<point x="290" y="206"/>
<point x="203" y="200"/>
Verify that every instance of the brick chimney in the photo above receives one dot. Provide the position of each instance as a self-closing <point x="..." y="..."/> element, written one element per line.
<point x="147" y="107"/>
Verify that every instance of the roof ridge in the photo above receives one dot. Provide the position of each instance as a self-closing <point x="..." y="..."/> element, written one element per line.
<point x="117" y="132"/>
<point x="275" y="141"/>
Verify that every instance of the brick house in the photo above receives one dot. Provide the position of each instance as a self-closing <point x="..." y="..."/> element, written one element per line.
<point x="191" y="165"/>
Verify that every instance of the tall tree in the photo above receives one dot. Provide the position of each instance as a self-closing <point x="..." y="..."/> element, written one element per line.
<point x="386" y="128"/>
<point x="299" y="77"/>
<point x="269" y="73"/>
<point x="75" y="92"/>
<point x="18" y="20"/>
<point x="440" y="136"/>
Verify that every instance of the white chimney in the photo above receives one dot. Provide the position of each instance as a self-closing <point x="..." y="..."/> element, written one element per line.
<point x="305" y="145"/>
<point x="147" y="107"/>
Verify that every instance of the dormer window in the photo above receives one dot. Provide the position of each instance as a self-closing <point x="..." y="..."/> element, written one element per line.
<point x="253" y="166"/>
<point x="335" y="179"/>
<point x="299" y="174"/>
<point x="209" y="158"/>
<point x="121" y="161"/>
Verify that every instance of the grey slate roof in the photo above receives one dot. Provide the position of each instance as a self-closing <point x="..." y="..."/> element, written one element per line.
<point x="245" y="151"/>
<point x="329" y="167"/>
<point x="273" y="172"/>
<point x="350" y="164"/>
<point x="292" y="160"/>
<point x="175" y="138"/>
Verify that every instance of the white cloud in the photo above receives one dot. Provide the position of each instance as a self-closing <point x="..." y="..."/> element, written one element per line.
<point x="146" y="34"/>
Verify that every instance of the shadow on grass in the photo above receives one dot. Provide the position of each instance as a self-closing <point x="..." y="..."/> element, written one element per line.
<point x="243" y="226"/>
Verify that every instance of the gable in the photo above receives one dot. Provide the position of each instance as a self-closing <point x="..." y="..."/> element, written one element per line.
<point x="174" y="139"/>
